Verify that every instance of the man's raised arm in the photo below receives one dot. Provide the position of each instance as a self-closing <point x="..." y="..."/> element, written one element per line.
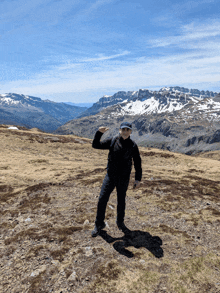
<point x="97" y="144"/>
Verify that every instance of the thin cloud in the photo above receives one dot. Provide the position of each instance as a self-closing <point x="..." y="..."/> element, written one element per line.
<point x="126" y="75"/>
<point x="103" y="57"/>
<point x="89" y="11"/>
<point x="192" y="32"/>
<point x="71" y="48"/>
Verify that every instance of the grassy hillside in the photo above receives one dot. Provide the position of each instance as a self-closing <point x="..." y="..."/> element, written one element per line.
<point x="49" y="187"/>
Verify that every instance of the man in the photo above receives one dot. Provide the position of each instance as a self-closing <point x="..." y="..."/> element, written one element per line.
<point x="121" y="152"/>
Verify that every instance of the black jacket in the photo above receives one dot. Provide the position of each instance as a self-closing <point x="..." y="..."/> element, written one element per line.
<point x="121" y="153"/>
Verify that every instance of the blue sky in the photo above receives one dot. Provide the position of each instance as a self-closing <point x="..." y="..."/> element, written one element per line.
<point x="78" y="51"/>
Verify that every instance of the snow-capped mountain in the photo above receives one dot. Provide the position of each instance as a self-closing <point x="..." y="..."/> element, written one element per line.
<point x="154" y="105"/>
<point x="107" y="101"/>
<point x="186" y="121"/>
<point x="145" y="101"/>
<point x="5" y="100"/>
<point x="31" y="111"/>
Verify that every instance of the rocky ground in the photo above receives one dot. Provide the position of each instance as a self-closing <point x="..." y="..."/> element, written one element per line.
<point x="49" y="187"/>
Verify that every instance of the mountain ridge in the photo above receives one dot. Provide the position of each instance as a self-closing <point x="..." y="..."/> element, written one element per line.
<point x="145" y="94"/>
<point x="167" y="119"/>
<point x="31" y="112"/>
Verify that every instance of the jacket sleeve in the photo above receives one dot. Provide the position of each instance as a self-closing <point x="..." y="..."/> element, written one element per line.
<point x="103" y="145"/>
<point x="137" y="163"/>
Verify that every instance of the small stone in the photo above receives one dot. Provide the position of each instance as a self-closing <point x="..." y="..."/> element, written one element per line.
<point x="73" y="276"/>
<point x="86" y="222"/>
<point x="107" y="225"/>
<point x="33" y="274"/>
<point x="55" y="262"/>
<point x="38" y="271"/>
<point x="142" y="261"/>
<point x="28" y="220"/>
<point x="88" y="251"/>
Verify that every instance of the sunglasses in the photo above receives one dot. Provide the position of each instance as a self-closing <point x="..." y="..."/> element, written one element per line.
<point x="125" y="129"/>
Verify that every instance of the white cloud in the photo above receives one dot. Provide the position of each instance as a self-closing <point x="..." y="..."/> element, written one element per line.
<point x="185" y="69"/>
<point x="189" y="34"/>
<point x="102" y="57"/>
<point x="194" y="61"/>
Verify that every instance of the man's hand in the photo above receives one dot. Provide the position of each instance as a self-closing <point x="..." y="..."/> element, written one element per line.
<point x="103" y="129"/>
<point x="136" y="184"/>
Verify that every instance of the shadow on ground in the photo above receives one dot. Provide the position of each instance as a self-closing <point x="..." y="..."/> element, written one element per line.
<point x="136" y="239"/>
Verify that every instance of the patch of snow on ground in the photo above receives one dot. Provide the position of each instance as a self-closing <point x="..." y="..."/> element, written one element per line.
<point x="210" y="103"/>
<point x="195" y="100"/>
<point x="13" y="127"/>
<point x="139" y="107"/>
<point x="173" y="106"/>
<point x="150" y="106"/>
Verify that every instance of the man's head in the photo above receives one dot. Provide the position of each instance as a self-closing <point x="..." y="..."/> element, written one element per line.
<point x="125" y="130"/>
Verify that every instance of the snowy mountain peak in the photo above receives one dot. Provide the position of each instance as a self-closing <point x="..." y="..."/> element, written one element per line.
<point x="192" y="92"/>
<point x="4" y="100"/>
<point x="165" y="101"/>
<point x="15" y="99"/>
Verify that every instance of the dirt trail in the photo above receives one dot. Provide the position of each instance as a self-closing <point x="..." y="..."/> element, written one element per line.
<point x="49" y="186"/>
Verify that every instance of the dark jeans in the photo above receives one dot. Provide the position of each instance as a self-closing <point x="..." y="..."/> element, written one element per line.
<point x="109" y="183"/>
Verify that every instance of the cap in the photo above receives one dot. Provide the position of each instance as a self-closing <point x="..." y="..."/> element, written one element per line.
<point x="126" y="125"/>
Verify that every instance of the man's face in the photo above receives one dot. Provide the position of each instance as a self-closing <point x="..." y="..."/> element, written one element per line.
<point x="125" y="132"/>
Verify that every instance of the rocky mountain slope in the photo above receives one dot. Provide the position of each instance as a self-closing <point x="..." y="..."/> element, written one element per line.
<point x="31" y="112"/>
<point x="49" y="187"/>
<point x="107" y="101"/>
<point x="177" y="119"/>
<point x="153" y="99"/>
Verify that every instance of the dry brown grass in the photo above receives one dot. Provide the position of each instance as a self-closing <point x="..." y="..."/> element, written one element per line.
<point x="49" y="187"/>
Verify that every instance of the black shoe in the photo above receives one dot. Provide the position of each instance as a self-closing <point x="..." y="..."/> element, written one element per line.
<point x="122" y="227"/>
<point x="97" y="230"/>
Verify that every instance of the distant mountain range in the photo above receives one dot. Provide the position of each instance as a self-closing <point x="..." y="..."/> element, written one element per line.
<point x="87" y="105"/>
<point x="31" y="112"/>
<point x="174" y="118"/>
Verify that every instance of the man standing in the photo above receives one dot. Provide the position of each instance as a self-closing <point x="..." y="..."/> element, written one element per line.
<point x="121" y="152"/>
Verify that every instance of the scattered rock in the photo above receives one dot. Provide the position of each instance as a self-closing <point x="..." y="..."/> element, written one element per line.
<point x="38" y="271"/>
<point x="55" y="262"/>
<point x="72" y="277"/>
<point x="88" y="251"/>
<point x="107" y="225"/>
<point x="86" y="222"/>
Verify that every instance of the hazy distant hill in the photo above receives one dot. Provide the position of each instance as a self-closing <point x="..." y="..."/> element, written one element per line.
<point x="33" y="112"/>
<point x="86" y="105"/>
<point x="176" y="119"/>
